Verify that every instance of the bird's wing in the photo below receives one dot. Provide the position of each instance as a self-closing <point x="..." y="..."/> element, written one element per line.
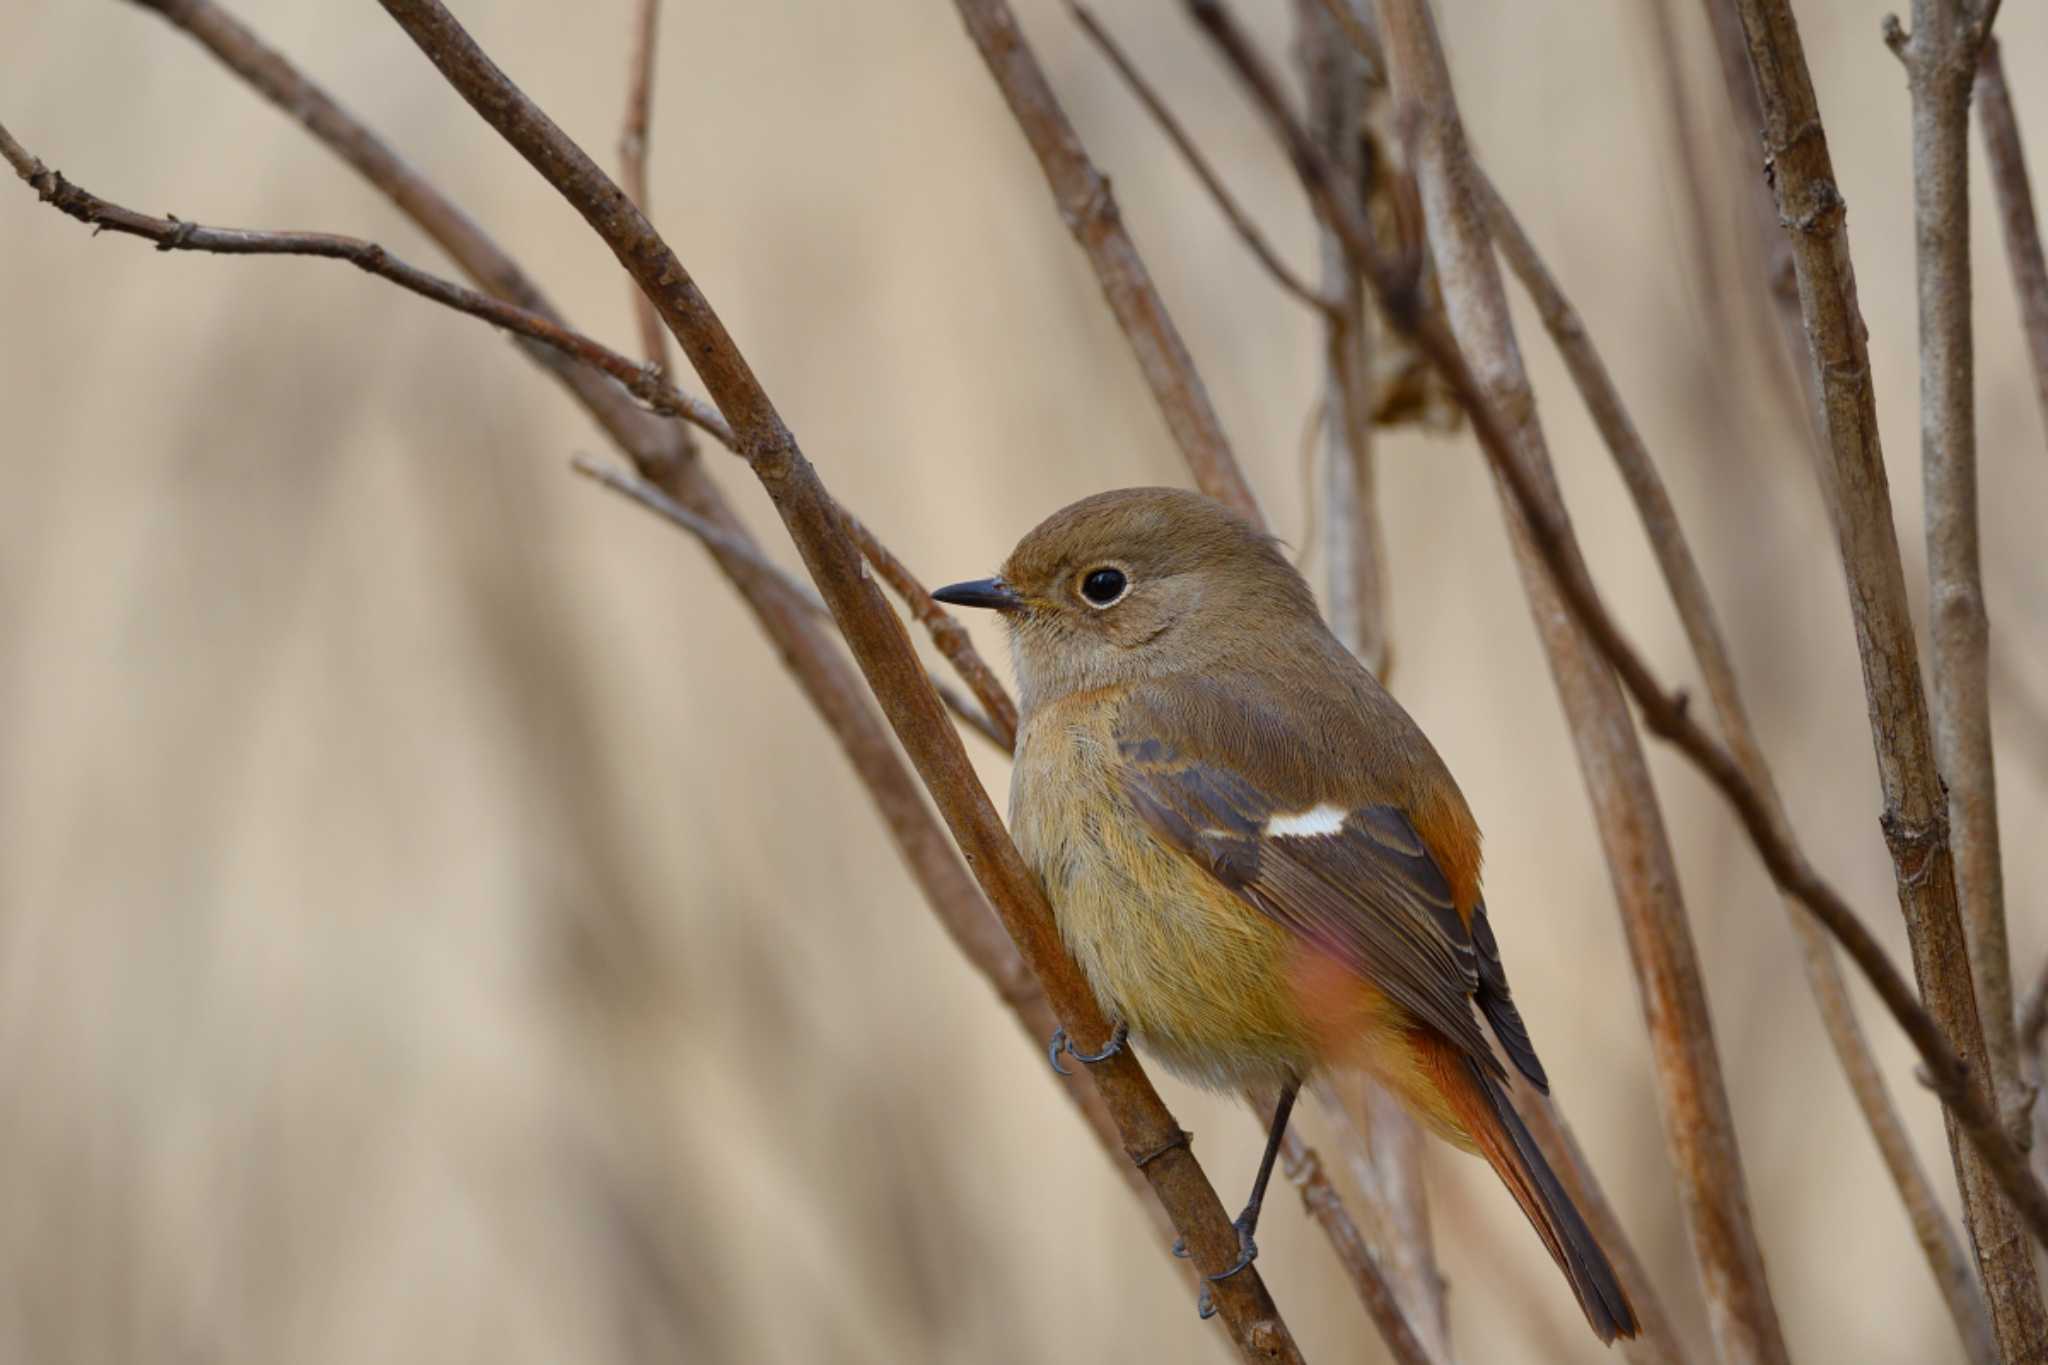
<point x="1357" y="881"/>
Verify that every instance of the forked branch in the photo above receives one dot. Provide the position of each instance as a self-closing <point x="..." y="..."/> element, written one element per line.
<point x="805" y="644"/>
<point x="880" y="647"/>
<point x="1667" y="715"/>
<point x="1688" y="589"/>
<point x="1915" y="822"/>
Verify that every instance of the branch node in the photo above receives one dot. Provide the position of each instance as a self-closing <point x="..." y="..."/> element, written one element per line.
<point x="1824" y="216"/>
<point x="179" y="236"/>
<point x="1774" y="152"/>
<point x="1914" y="843"/>
<point x="1095" y="209"/>
<point x="1181" y="1138"/>
<point x="1897" y="39"/>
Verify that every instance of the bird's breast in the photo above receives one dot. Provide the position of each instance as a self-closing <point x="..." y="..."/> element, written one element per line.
<point x="1206" y="982"/>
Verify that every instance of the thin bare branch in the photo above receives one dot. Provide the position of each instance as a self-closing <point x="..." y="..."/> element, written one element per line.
<point x="636" y="489"/>
<point x="881" y="648"/>
<point x="1337" y="84"/>
<point x="1361" y="37"/>
<point x="1940" y="57"/>
<point x="1382" y="1141"/>
<point x="1767" y="257"/>
<point x="1666" y="713"/>
<point x="2007" y="162"/>
<point x="1915" y="819"/>
<point x="178" y="234"/>
<point x="1090" y="213"/>
<point x="806" y="646"/>
<point x="1301" y="1165"/>
<point x="1395" y="1190"/>
<point x="633" y="137"/>
<point x="947" y="633"/>
<point x="1248" y="231"/>
<point x="1705" y="276"/>
<point x="1931" y="1227"/>
<point x="1698" y="1126"/>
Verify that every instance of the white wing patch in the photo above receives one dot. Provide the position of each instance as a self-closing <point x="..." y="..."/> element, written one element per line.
<point x="1307" y="824"/>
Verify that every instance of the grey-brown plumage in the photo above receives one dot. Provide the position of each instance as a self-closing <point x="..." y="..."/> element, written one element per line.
<point x="1257" y="858"/>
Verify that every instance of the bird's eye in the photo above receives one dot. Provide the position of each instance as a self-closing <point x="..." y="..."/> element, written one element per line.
<point x="1104" y="587"/>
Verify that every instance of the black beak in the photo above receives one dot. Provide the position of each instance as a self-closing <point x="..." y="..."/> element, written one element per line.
<point x="982" y="592"/>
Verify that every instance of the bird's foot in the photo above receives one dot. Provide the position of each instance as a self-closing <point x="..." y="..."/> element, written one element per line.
<point x="1059" y="1044"/>
<point x="1247" y="1252"/>
<point x="1247" y="1249"/>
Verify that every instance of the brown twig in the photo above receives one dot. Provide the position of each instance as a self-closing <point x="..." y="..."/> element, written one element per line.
<point x="1403" y="387"/>
<point x="1359" y="34"/>
<point x="636" y="489"/>
<point x="1940" y="57"/>
<point x="1705" y="276"/>
<point x="178" y="234"/>
<point x="1090" y="213"/>
<point x="1400" y="302"/>
<point x="1915" y="820"/>
<point x="881" y="648"/>
<point x="1668" y="716"/>
<point x="633" y="159"/>
<point x="1383" y="1142"/>
<point x="2007" y="163"/>
<point x="1301" y="1165"/>
<point x="1336" y="80"/>
<point x="992" y="714"/>
<point x="1931" y="1227"/>
<point x="1699" y="1128"/>
<point x="947" y="634"/>
<point x="806" y="646"/>
<point x="1247" y="230"/>
<point x="1768" y="257"/>
<point x="1394" y="1187"/>
<point x="977" y="934"/>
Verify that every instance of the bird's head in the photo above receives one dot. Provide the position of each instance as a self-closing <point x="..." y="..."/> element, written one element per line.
<point x="1138" y="583"/>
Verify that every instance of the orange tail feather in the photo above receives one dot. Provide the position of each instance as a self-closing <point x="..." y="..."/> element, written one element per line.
<point x="1496" y="1129"/>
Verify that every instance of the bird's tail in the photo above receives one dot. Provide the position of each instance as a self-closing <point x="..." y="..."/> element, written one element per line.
<point x="1497" y="1130"/>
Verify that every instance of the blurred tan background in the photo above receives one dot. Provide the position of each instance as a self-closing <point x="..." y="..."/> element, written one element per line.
<point x="432" y="928"/>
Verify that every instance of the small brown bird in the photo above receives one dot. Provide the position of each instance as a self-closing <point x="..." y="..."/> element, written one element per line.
<point x="1254" y="854"/>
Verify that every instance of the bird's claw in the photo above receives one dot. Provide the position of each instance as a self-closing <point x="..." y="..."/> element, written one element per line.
<point x="1059" y="1043"/>
<point x="1247" y="1252"/>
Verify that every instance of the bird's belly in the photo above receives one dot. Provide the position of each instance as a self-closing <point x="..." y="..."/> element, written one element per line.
<point x="1203" y="980"/>
<point x="1211" y="987"/>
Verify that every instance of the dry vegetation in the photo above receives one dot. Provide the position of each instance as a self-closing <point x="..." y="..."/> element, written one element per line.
<point x="435" y="929"/>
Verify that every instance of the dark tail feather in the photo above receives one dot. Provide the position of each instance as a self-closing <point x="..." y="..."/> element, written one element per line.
<point x="1508" y="1147"/>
